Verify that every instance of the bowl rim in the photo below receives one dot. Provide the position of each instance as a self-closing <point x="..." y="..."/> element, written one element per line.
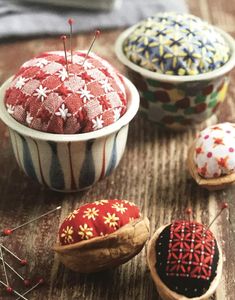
<point x="175" y="78"/>
<point x="133" y="100"/>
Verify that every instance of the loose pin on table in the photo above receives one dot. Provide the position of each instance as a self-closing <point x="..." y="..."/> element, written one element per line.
<point x="12" y="291"/>
<point x="23" y="262"/>
<point x="26" y="281"/>
<point x="40" y="281"/>
<point x="4" y="267"/>
<point x="6" y="232"/>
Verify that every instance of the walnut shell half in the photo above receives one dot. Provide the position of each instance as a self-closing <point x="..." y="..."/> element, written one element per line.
<point x="106" y="252"/>
<point x="166" y="293"/>
<point x="218" y="183"/>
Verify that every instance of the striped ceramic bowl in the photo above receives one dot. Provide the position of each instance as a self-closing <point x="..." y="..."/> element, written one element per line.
<point x="70" y="162"/>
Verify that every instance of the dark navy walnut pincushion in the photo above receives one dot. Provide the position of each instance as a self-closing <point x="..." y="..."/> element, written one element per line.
<point x="185" y="261"/>
<point x="187" y="257"/>
<point x="176" y="44"/>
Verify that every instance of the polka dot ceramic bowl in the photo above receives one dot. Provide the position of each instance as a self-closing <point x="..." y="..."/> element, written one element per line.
<point x="179" y="85"/>
<point x="70" y="162"/>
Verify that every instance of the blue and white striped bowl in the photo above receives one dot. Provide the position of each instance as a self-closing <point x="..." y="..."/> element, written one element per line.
<point x="70" y="162"/>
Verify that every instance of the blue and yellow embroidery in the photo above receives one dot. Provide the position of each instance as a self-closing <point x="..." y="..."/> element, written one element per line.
<point x="176" y="44"/>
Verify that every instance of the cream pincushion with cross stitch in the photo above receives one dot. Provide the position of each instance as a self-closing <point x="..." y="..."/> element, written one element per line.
<point x="45" y="97"/>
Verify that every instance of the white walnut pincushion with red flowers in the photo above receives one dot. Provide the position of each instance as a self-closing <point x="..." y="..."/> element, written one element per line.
<point x="101" y="235"/>
<point x="211" y="157"/>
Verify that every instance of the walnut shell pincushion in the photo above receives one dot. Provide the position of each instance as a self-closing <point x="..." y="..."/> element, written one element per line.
<point x="101" y="235"/>
<point x="211" y="157"/>
<point x="185" y="261"/>
<point x="45" y="96"/>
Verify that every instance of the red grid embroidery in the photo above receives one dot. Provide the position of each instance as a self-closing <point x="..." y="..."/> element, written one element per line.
<point x="51" y="98"/>
<point x="191" y="250"/>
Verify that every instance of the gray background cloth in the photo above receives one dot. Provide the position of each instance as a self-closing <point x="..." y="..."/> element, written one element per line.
<point x="25" y="20"/>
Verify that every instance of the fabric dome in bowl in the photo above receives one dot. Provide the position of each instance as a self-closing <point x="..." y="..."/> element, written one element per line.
<point x="176" y="44"/>
<point x="45" y="97"/>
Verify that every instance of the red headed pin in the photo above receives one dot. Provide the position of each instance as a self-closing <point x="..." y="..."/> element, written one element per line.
<point x="23" y="262"/>
<point x="71" y="22"/>
<point x="223" y="206"/>
<point x="16" y="273"/>
<point x="64" y="38"/>
<point x="97" y="33"/>
<point x="26" y="282"/>
<point x="12" y="291"/>
<point x="7" y="232"/>
<point x="189" y="212"/>
<point x="4" y="266"/>
<point x="9" y="290"/>
<point x="39" y="282"/>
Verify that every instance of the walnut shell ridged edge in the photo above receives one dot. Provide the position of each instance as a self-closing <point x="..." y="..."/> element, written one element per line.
<point x="164" y="292"/>
<point x="106" y="252"/>
<point x="211" y="184"/>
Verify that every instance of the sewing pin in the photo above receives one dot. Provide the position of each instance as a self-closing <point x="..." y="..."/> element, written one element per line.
<point x="189" y="213"/>
<point x="64" y="38"/>
<point x="97" y="33"/>
<point x="10" y="231"/>
<point x="23" y="262"/>
<point x="71" y="22"/>
<point x="224" y="205"/>
<point x="4" y="267"/>
<point x="40" y="281"/>
<point x="26" y="281"/>
<point x="10" y="290"/>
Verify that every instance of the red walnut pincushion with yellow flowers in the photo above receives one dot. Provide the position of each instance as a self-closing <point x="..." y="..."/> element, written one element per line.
<point x="101" y="235"/>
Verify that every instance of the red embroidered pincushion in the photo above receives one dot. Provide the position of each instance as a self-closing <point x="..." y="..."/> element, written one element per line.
<point x="97" y="219"/>
<point x="45" y="97"/>
<point x="185" y="261"/>
<point x="101" y="235"/>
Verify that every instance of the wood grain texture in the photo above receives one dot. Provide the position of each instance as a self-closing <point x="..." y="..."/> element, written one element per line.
<point x="152" y="173"/>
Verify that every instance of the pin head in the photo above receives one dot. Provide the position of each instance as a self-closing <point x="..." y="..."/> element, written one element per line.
<point x="40" y="281"/>
<point x="97" y="33"/>
<point x="9" y="290"/>
<point x="7" y="232"/>
<point x="70" y="21"/>
<point x="23" y="262"/>
<point x="26" y="282"/>
<point x="63" y="37"/>
<point x="188" y="211"/>
<point x="224" y="205"/>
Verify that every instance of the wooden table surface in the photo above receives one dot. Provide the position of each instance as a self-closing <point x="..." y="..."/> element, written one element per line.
<point x="152" y="173"/>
